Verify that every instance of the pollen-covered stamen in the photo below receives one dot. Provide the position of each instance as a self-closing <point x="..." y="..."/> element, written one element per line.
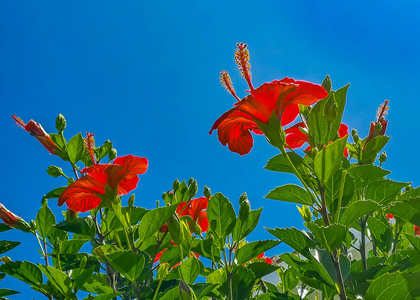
<point x="242" y="60"/>
<point x="19" y="121"/>
<point x="227" y="84"/>
<point x="90" y="145"/>
<point x="382" y="111"/>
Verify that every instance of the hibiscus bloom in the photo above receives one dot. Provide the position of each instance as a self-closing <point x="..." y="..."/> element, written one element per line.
<point x="87" y="192"/>
<point x="36" y="130"/>
<point x="279" y="96"/>
<point x="296" y="136"/>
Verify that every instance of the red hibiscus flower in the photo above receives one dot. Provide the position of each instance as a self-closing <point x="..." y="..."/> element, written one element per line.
<point x="266" y="259"/>
<point x="295" y="136"/>
<point x="279" y="96"/>
<point x="87" y="192"/>
<point x="13" y="220"/>
<point x="389" y="216"/>
<point x="36" y="130"/>
<point x="379" y="126"/>
<point x="416" y="230"/>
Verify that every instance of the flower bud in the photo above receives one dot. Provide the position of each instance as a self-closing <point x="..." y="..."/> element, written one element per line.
<point x="192" y="188"/>
<point x="305" y="213"/>
<point x="32" y="225"/>
<point x="207" y="192"/>
<point x="13" y="220"/>
<point x="162" y="271"/>
<point x="83" y="262"/>
<point x="175" y="185"/>
<point x="244" y="209"/>
<point x="330" y="110"/>
<point x="44" y="201"/>
<point x="355" y="135"/>
<point x="60" y="123"/>
<point x="383" y="157"/>
<point x="191" y="180"/>
<point x="54" y="171"/>
<point x="242" y="198"/>
<point x="113" y="154"/>
<point x="131" y="200"/>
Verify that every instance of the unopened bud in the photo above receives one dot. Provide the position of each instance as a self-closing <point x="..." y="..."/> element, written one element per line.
<point x="32" y="225"/>
<point x="192" y="188"/>
<point x="242" y="198"/>
<point x="54" y="171"/>
<point x="191" y="180"/>
<point x="244" y="210"/>
<point x="383" y="157"/>
<point x="305" y="213"/>
<point x="44" y="201"/>
<point x="131" y="200"/>
<point x="207" y="192"/>
<point x="60" y="123"/>
<point x="330" y="110"/>
<point x="58" y="246"/>
<point x="378" y="127"/>
<point x="355" y="135"/>
<point x="83" y="262"/>
<point x="113" y="154"/>
<point x="194" y="227"/>
<point x="175" y="185"/>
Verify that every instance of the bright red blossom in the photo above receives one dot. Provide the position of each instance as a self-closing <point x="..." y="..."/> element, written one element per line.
<point x="121" y="176"/>
<point x="296" y="136"/>
<point x="416" y="230"/>
<point x="266" y="259"/>
<point x="279" y="96"/>
<point x="36" y="130"/>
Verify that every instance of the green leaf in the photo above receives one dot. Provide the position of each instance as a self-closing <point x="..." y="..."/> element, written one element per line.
<point x="340" y="99"/>
<point x="330" y="237"/>
<point x="84" y="226"/>
<point x="55" y="193"/>
<point x="365" y="175"/>
<point x="253" y="249"/>
<point x="76" y="148"/>
<point x="109" y="296"/>
<point x="243" y="280"/>
<point x="96" y="283"/>
<point x="332" y="191"/>
<point x="4" y="227"/>
<point x="384" y="191"/>
<point x="373" y="147"/>
<point x="7" y="246"/>
<point x="316" y="122"/>
<point x="357" y="210"/>
<point x="290" y="193"/>
<point x="244" y="228"/>
<point x="7" y="292"/>
<point x="381" y="233"/>
<point x="327" y="84"/>
<point x="153" y="220"/>
<point x="280" y="163"/>
<point x="261" y="269"/>
<point x="407" y="210"/>
<point x="58" y="279"/>
<point x="328" y="160"/>
<point x="388" y="286"/>
<point x="23" y="270"/>
<point x="202" y="289"/>
<point x="295" y="238"/>
<point x="45" y="221"/>
<point x="190" y="268"/>
<point x="128" y="263"/>
<point x="103" y="150"/>
<point x="221" y="215"/>
<point x="415" y="241"/>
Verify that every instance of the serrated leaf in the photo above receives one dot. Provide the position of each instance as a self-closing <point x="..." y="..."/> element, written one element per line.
<point x="244" y="228"/>
<point x="295" y="238"/>
<point x="221" y="215"/>
<point x="328" y="160"/>
<point x="384" y="191"/>
<point x="76" y="148"/>
<point x="127" y="263"/>
<point x="153" y="220"/>
<point x="261" y="269"/>
<point x="190" y="268"/>
<point x="253" y="249"/>
<point x="364" y="175"/>
<point x="45" y="221"/>
<point x="407" y="210"/>
<point x="23" y="270"/>
<point x="58" y="279"/>
<point x="330" y="237"/>
<point x="7" y="246"/>
<point x="333" y="189"/>
<point x="84" y="226"/>
<point x="381" y="234"/>
<point x="280" y="163"/>
<point x="55" y="193"/>
<point x="357" y="210"/>
<point x="290" y="193"/>
<point x="388" y="286"/>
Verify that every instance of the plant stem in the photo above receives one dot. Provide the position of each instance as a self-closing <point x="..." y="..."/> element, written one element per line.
<point x="229" y="275"/>
<point x="363" y="242"/>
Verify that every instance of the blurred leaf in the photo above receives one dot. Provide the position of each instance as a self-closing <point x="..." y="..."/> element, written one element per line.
<point x="364" y="175"/>
<point x="202" y="289"/>
<point x="128" y="263"/>
<point x="290" y="193"/>
<point x="261" y="269"/>
<point x="96" y="283"/>
<point x="407" y="210"/>
<point x="45" y="221"/>
<point x="373" y="147"/>
<point x="4" y="227"/>
<point x="108" y="296"/>
<point x="76" y="148"/>
<point x="357" y="210"/>
<point x="388" y="286"/>
<point x="153" y="220"/>
<point x="190" y="268"/>
<point x="7" y="292"/>
<point x="384" y="191"/>
<point x="381" y="233"/>
<point x="84" y="226"/>
<point x="253" y="249"/>
<point x="244" y="228"/>
<point x="328" y="160"/>
<point x="7" y="246"/>
<point x="221" y="215"/>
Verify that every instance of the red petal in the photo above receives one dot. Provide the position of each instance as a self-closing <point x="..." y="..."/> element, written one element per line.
<point x="271" y="94"/>
<point x="236" y="133"/>
<point x="197" y="205"/>
<point x="202" y="221"/>
<point x="133" y="164"/>
<point x="307" y="93"/>
<point x="289" y="114"/>
<point x="295" y="138"/>
<point x="343" y="130"/>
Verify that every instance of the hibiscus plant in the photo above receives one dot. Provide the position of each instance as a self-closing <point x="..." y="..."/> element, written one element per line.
<point x="360" y="238"/>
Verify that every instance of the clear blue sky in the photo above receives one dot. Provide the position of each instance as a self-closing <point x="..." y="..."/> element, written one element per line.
<point x="145" y="74"/>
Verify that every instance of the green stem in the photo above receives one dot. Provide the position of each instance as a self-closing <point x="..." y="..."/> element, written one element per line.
<point x="363" y="242"/>
<point x="340" y="198"/>
<point x="157" y="290"/>
<point x="229" y="275"/>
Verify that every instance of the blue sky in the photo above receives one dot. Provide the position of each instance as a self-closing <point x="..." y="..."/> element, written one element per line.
<point x="145" y="75"/>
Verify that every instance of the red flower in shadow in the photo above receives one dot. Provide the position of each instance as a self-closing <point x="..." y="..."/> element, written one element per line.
<point x="296" y="138"/>
<point x="36" y="130"/>
<point x="87" y="192"/>
<point x="279" y="96"/>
